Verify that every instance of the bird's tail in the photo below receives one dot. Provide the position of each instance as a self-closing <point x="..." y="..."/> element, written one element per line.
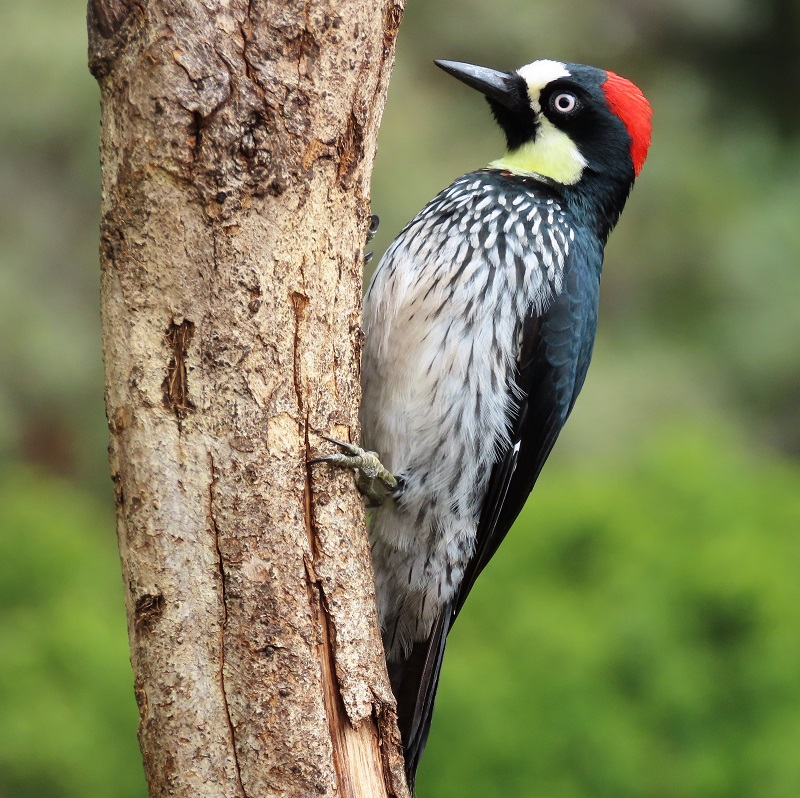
<point x="414" y="682"/>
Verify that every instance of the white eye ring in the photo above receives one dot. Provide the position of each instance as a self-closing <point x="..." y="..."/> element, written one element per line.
<point x="565" y="102"/>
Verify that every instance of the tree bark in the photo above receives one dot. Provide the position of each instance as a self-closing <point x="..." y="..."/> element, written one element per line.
<point x="237" y="144"/>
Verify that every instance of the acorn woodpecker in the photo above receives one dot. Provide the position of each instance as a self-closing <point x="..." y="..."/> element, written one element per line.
<point x="480" y="321"/>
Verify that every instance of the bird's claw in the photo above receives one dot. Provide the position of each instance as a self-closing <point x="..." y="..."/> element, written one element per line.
<point x="374" y="221"/>
<point x="373" y="480"/>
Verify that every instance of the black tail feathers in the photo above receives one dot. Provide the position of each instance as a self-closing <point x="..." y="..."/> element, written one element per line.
<point x="414" y="682"/>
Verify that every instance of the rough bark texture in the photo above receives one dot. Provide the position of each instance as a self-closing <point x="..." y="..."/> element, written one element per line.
<point x="237" y="144"/>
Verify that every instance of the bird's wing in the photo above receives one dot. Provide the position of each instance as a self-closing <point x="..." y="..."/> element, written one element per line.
<point x="551" y="366"/>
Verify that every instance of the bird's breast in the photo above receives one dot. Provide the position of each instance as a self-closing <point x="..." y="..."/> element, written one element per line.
<point x="443" y="316"/>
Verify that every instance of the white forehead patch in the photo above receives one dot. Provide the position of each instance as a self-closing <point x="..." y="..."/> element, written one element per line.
<point x="538" y="74"/>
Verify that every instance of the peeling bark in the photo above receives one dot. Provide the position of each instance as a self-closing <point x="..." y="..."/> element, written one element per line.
<point x="237" y="144"/>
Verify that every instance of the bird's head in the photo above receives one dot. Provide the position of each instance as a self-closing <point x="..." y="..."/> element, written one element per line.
<point x="566" y="122"/>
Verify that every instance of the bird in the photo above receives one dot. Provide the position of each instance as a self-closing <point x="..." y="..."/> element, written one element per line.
<point x="480" y="322"/>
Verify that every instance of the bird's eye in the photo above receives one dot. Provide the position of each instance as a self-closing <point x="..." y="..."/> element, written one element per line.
<point x="564" y="102"/>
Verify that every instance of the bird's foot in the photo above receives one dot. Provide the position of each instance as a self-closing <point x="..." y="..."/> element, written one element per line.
<point x="373" y="480"/>
<point x="374" y="221"/>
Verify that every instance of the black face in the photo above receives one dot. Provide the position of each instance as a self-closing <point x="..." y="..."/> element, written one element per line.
<point x="515" y="114"/>
<point x="574" y="104"/>
<point x="578" y="106"/>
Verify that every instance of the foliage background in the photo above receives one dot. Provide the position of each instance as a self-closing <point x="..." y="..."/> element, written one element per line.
<point x="638" y="633"/>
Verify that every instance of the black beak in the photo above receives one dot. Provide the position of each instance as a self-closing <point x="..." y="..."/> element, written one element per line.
<point x="501" y="87"/>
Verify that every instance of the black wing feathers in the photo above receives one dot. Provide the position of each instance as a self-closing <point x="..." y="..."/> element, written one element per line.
<point x="544" y="379"/>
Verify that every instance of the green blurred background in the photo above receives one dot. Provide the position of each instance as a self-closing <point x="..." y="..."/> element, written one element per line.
<point x="639" y="633"/>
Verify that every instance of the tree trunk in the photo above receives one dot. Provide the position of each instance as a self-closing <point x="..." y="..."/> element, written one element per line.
<point x="237" y="145"/>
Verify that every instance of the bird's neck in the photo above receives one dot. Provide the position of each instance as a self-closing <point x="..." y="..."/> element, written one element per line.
<point x="598" y="200"/>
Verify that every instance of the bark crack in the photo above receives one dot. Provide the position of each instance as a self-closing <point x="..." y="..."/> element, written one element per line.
<point x="246" y="32"/>
<point x="334" y="707"/>
<point x="224" y="597"/>
<point x="175" y="387"/>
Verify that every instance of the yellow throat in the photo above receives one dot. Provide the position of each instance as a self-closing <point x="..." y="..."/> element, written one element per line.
<point x="551" y="154"/>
